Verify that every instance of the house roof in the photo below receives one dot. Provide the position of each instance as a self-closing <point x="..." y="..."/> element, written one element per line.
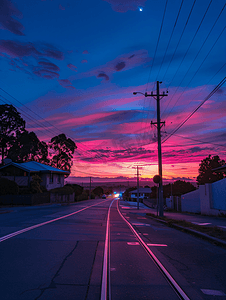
<point x="220" y="169"/>
<point x="142" y="190"/>
<point x="34" y="166"/>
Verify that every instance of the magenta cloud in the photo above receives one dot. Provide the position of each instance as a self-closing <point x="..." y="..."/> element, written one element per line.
<point x="103" y="75"/>
<point x="7" y="20"/>
<point x="72" y="67"/>
<point x="123" y="6"/>
<point x="123" y="62"/>
<point x="66" y="83"/>
<point x="20" y="49"/>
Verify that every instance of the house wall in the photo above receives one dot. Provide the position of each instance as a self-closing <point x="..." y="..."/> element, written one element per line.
<point x="54" y="184"/>
<point x="20" y="180"/>
<point x="219" y="195"/>
<point x="190" y="202"/>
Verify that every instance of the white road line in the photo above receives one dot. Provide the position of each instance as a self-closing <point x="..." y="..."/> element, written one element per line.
<point x="157" y="245"/>
<point x="8" y="236"/>
<point x="213" y="292"/>
<point x="201" y="224"/>
<point x="133" y="243"/>
<point x="159" y="264"/>
<point x="105" y="274"/>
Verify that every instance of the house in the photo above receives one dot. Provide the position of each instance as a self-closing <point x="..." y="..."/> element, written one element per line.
<point x="22" y="174"/>
<point x="144" y="193"/>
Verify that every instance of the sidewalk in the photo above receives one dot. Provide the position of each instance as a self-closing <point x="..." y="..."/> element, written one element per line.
<point x="193" y="218"/>
<point x="198" y="220"/>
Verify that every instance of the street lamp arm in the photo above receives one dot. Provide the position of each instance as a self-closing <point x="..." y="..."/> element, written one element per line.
<point x="145" y="94"/>
<point x="134" y="93"/>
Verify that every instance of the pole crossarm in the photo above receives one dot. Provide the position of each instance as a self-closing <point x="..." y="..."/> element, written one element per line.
<point x="159" y="125"/>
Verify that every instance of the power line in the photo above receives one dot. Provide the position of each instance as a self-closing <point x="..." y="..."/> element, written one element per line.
<point x="194" y="61"/>
<point x="194" y="111"/>
<point x="170" y="37"/>
<point x="180" y="37"/>
<point x="82" y="147"/>
<point x="197" y="141"/>
<point x="160" y="31"/>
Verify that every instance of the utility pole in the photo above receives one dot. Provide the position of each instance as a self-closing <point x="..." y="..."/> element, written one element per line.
<point x="159" y="124"/>
<point x="90" y="188"/>
<point x="138" y="193"/>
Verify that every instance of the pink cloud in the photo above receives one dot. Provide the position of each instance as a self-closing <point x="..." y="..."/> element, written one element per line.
<point x="85" y="52"/>
<point x="7" y="13"/>
<point x="84" y="61"/>
<point x="72" y="67"/>
<point x="61" y="7"/>
<point x="66" y="83"/>
<point x="20" y="49"/>
<point x="123" y="62"/>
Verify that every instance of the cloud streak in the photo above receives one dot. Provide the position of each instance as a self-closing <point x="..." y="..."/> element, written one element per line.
<point x="8" y="12"/>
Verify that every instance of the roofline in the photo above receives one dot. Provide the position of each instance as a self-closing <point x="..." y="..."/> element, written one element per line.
<point x="20" y="166"/>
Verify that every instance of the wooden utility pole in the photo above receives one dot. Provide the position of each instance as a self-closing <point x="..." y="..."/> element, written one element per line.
<point x="90" y="189"/>
<point x="159" y="124"/>
<point x="138" y="193"/>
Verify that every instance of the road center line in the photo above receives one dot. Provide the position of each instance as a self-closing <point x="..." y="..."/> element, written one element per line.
<point x="105" y="275"/>
<point x="8" y="236"/>
<point x="155" y="259"/>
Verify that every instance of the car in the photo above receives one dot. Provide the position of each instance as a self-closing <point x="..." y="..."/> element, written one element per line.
<point x="104" y="197"/>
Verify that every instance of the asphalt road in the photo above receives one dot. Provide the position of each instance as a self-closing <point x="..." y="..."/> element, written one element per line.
<point x="63" y="259"/>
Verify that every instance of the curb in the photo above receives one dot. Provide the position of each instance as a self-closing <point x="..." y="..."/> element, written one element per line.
<point x="207" y="237"/>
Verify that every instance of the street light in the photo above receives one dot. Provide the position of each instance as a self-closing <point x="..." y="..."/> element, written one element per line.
<point x="157" y="96"/>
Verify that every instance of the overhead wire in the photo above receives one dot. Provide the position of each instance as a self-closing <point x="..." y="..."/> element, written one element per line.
<point x="180" y="38"/>
<point x="57" y="130"/>
<point x="195" y="110"/>
<point x="193" y="63"/>
<point x="197" y="141"/>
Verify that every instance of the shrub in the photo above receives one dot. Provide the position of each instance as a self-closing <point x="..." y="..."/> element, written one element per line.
<point x="35" y="184"/>
<point x="83" y="196"/>
<point x="65" y="190"/>
<point x="8" y="187"/>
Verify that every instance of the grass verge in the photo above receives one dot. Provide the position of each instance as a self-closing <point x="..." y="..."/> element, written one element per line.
<point x="213" y="231"/>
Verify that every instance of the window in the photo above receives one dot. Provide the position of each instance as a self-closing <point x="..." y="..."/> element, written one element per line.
<point x="51" y="178"/>
<point x="58" y="178"/>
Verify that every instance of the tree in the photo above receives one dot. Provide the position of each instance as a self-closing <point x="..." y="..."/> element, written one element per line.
<point x="98" y="191"/>
<point x="12" y="126"/>
<point x="28" y="147"/>
<point x="63" y="149"/>
<point x="181" y="187"/>
<point x="126" y="194"/>
<point x="206" y="173"/>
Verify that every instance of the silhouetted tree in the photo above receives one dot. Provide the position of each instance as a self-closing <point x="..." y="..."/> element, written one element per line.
<point x="98" y="191"/>
<point x="206" y="173"/>
<point x="12" y="126"/>
<point x="126" y="194"/>
<point x="28" y="147"/>
<point x="62" y="150"/>
<point x="181" y="187"/>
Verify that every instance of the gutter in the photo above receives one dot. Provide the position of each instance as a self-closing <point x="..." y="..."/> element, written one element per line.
<point x="204" y="236"/>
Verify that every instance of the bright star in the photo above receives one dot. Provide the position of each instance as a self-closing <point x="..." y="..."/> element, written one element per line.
<point x="140" y="8"/>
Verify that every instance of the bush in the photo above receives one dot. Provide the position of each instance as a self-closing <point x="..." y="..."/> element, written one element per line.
<point x="78" y="189"/>
<point x="8" y="187"/>
<point x="83" y="196"/>
<point x="65" y="190"/>
<point x="35" y="184"/>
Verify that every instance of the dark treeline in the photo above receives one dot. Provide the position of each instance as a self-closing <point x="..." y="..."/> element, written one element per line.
<point x="20" y="145"/>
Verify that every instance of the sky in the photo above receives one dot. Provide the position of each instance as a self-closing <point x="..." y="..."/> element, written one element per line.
<point x="72" y="67"/>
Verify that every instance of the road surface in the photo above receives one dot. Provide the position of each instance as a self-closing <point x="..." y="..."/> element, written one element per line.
<point x="103" y="249"/>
